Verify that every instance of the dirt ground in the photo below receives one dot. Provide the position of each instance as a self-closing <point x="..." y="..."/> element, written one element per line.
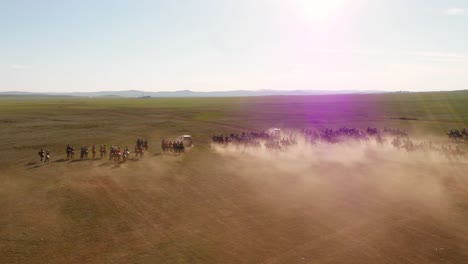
<point x="346" y="203"/>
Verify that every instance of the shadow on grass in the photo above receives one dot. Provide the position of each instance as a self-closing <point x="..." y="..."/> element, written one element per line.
<point x="105" y="164"/>
<point x="116" y="165"/>
<point x="38" y="165"/>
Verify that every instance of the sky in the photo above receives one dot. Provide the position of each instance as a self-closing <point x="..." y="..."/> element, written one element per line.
<point x="219" y="45"/>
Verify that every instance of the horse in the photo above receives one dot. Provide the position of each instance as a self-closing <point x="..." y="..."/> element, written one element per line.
<point x="379" y="139"/>
<point x="274" y="145"/>
<point x="68" y="151"/>
<point x="83" y="153"/>
<point x="112" y="151"/>
<point x="139" y="151"/>
<point x="455" y="134"/>
<point x="163" y="145"/>
<point x="117" y="154"/>
<point x="41" y="154"/>
<point x="103" y="151"/>
<point x="47" y="157"/>
<point x="72" y="152"/>
<point x="408" y="145"/>
<point x="465" y="132"/>
<point x="125" y="155"/>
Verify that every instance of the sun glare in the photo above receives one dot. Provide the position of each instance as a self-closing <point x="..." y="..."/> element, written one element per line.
<point x="320" y="11"/>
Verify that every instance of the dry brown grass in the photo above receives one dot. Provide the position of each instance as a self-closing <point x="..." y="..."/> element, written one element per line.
<point x="321" y="204"/>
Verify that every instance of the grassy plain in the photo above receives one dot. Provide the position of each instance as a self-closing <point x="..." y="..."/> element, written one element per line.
<point x="216" y="206"/>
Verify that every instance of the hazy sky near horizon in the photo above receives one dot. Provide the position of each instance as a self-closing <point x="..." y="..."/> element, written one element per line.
<point x="215" y="45"/>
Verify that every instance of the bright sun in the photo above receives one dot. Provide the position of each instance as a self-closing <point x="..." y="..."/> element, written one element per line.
<point x="321" y="10"/>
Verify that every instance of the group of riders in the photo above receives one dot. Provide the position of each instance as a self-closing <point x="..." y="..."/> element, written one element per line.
<point x="458" y="134"/>
<point x="176" y="146"/>
<point x="247" y="138"/>
<point x="115" y="152"/>
<point x="274" y="141"/>
<point x="252" y="139"/>
<point x="140" y="147"/>
<point x="44" y="155"/>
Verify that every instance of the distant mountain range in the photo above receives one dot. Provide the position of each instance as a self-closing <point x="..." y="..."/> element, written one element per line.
<point x="188" y="93"/>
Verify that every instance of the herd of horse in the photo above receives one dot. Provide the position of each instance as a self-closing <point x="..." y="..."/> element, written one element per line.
<point x="396" y="137"/>
<point x="344" y="133"/>
<point x="272" y="140"/>
<point x="276" y="141"/>
<point x="458" y="134"/>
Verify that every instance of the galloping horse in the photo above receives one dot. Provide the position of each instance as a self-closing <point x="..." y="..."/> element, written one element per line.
<point x="41" y="154"/>
<point x="117" y="154"/>
<point x="455" y="134"/>
<point x="125" y="155"/>
<point x="93" y="150"/>
<point x="47" y="157"/>
<point x="272" y="144"/>
<point x="68" y="150"/>
<point x="139" y="151"/>
<point x="396" y="142"/>
<point x="103" y="151"/>
<point x="163" y="145"/>
<point x="84" y="153"/>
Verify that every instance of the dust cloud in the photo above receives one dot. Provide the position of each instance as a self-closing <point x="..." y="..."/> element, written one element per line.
<point x="351" y="202"/>
<point x="380" y="164"/>
<point x="368" y="193"/>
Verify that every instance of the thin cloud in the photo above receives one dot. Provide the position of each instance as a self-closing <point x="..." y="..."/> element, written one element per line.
<point x="442" y="56"/>
<point x="455" y="11"/>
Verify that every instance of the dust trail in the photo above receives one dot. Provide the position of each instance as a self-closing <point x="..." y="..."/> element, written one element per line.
<point x="356" y="188"/>
<point x="347" y="152"/>
<point x="323" y="203"/>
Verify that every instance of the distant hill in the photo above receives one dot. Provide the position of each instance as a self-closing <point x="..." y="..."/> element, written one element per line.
<point x="188" y="93"/>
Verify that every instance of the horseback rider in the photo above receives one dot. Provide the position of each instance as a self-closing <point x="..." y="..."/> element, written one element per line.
<point x="174" y="146"/>
<point x="163" y="145"/>
<point x="47" y="156"/>
<point x="170" y="145"/>
<point x="111" y="152"/>
<point x="104" y="148"/>
<point x="136" y="150"/>
<point x="93" y="150"/>
<point x="68" y="151"/>
<point x="41" y="153"/>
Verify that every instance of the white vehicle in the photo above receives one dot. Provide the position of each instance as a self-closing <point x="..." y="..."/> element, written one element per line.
<point x="187" y="140"/>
